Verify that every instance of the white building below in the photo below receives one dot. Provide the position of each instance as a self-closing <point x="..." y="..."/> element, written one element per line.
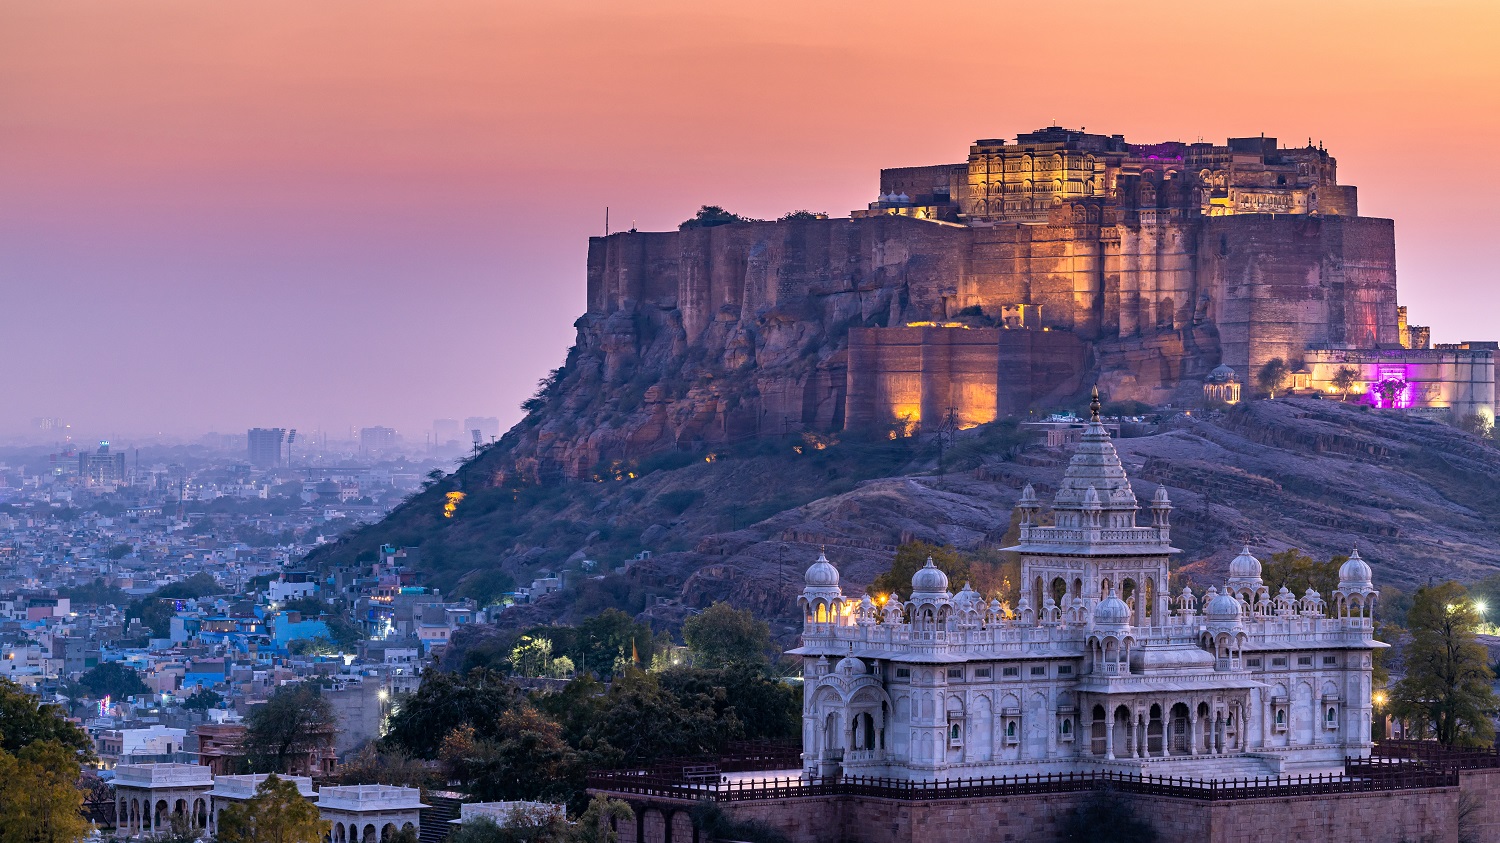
<point x="1098" y="665"/>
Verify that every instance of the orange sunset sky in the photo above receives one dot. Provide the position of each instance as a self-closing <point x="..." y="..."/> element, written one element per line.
<point x="325" y="213"/>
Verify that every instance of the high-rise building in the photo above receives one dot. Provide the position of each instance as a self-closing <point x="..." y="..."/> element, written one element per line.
<point x="377" y="439"/>
<point x="488" y="427"/>
<point x="447" y="431"/>
<point x="102" y="468"/>
<point x="265" y="446"/>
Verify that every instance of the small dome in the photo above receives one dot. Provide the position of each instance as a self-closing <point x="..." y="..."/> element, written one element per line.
<point x="1221" y="607"/>
<point x="822" y="574"/>
<point x="1112" y="611"/>
<point x="1245" y="566"/>
<point x="1222" y="374"/>
<point x="929" y="579"/>
<point x="1355" y="572"/>
<point x="850" y="666"/>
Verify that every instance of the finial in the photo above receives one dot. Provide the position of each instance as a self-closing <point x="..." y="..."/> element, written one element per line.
<point x="1094" y="406"/>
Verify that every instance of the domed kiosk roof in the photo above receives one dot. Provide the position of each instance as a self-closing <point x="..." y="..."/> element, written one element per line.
<point x="929" y="579"/>
<point x="822" y="574"/>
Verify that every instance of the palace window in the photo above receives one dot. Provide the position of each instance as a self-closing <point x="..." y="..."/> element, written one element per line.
<point x="1252" y="662"/>
<point x="1304" y="661"/>
<point x="1010" y="732"/>
<point x="1064" y="670"/>
<point x="1039" y="671"/>
<point x="1331" y="718"/>
<point x="1279" y="661"/>
<point x="903" y="673"/>
<point x="1330" y="661"/>
<point x="1280" y="719"/>
<point x="955" y="673"/>
<point x="981" y="673"/>
<point x="1010" y="671"/>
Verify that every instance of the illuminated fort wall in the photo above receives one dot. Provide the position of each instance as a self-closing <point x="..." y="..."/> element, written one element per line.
<point x="924" y="374"/>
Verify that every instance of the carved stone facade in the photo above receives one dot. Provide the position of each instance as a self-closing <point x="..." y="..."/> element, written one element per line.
<point x="1098" y="664"/>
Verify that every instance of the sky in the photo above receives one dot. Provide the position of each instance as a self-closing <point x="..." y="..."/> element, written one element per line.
<point x="346" y="213"/>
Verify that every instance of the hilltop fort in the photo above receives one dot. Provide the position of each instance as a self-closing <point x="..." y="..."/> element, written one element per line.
<point x="1003" y="284"/>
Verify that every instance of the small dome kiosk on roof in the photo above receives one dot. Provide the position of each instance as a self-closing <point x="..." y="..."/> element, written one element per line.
<point x="1112" y="611"/>
<point x="1221" y="606"/>
<point x="1355" y="572"/>
<point x="929" y="579"/>
<point x="822" y="574"/>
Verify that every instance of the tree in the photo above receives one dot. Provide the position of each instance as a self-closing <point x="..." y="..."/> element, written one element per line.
<point x="293" y="723"/>
<point x="601" y="818"/>
<point x="640" y="721"/>
<point x="1298" y="571"/>
<point x="203" y="700"/>
<point x="24" y="720"/>
<point x="611" y="640"/>
<point x="1344" y="380"/>
<point x="40" y="800"/>
<point x="526" y="758"/>
<point x="372" y="765"/>
<point x="799" y="216"/>
<point x="1272" y="376"/>
<point x="766" y="708"/>
<point x="723" y="635"/>
<point x="445" y="701"/>
<point x="1446" y="691"/>
<point x="112" y="679"/>
<point x="200" y="584"/>
<point x="277" y="813"/>
<point x="709" y="216"/>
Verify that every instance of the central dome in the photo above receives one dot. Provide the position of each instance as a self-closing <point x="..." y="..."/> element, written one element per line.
<point x="929" y="579"/>
<point x="1245" y="566"/>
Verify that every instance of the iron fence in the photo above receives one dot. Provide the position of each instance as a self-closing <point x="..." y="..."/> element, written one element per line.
<point x="1374" y="778"/>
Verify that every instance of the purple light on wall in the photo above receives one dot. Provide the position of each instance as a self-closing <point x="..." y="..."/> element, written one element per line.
<point x="1392" y="391"/>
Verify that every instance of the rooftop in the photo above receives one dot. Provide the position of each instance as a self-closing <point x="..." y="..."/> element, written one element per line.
<point x="163" y="775"/>
<point x="370" y="797"/>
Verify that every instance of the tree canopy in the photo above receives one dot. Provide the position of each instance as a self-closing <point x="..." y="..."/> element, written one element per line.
<point x="40" y="759"/>
<point x="1272" y="376"/>
<point x="1297" y="571"/>
<point x="112" y="679"/>
<point x="294" y="722"/>
<point x="1446" y="691"/>
<point x="278" y="813"/>
<point x="709" y="216"/>
<point x="722" y="636"/>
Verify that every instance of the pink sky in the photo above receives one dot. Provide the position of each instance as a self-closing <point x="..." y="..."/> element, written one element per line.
<point x="358" y="212"/>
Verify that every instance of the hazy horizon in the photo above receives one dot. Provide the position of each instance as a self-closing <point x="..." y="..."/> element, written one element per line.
<point x="349" y="214"/>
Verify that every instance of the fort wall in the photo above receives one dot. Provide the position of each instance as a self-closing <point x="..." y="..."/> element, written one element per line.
<point x="1382" y="817"/>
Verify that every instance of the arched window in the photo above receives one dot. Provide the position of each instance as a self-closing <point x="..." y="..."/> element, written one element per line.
<point x="1067" y="726"/>
<point x="1280" y="717"/>
<point x="822" y="613"/>
<point x="1333" y="716"/>
<point x="953" y="731"/>
<point x="1010" y="729"/>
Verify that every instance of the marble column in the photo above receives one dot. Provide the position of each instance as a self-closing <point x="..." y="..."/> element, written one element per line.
<point x="1109" y="737"/>
<point x="1192" y="730"/>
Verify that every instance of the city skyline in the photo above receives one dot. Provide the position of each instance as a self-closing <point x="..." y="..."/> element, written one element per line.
<point x="218" y="219"/>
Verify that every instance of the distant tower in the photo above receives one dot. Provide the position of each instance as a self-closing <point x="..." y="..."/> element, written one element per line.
<point x="265" y="446"/>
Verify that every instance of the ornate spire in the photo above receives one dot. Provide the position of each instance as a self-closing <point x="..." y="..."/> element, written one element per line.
<point x="1094" y="406"/>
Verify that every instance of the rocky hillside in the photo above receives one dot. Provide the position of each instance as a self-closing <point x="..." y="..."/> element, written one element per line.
<point x="1419" y="499"/>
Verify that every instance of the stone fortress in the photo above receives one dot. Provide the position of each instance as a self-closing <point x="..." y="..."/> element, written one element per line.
<point x="1099" y="665"/>
<point x="1013" y="280"/>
